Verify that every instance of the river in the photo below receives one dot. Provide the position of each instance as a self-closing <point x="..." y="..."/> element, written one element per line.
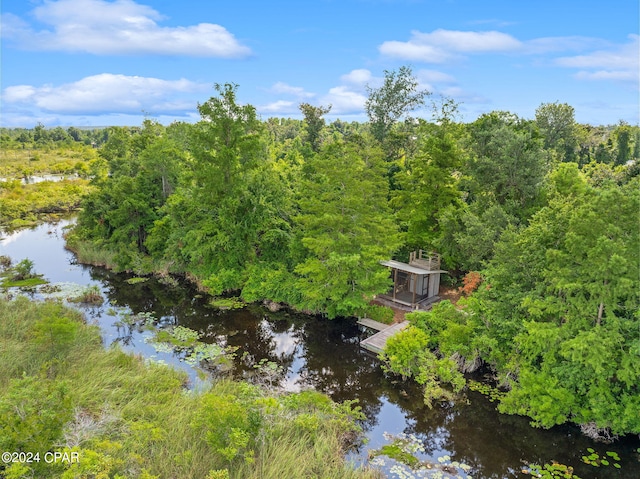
<point x="325" y="355"/>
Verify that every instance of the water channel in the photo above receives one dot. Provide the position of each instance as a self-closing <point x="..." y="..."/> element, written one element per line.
<point x="324" y="355"/>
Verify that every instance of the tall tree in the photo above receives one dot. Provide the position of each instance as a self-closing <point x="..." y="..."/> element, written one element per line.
<point x="508" y="165"/>
<point x="428" y="183"/>
<point x="227" y="142"/>
<point x="346" y="229"/>
<point x="314" y="123"/>
<point x="557" y="125"/>
<point x="623" y="136"/>
<point x="398" y="95"/>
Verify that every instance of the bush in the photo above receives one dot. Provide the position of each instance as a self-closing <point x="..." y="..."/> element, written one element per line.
<point x="382" y="314"/>
<point x="23" y="270"/>
<point x="91" y="295"/>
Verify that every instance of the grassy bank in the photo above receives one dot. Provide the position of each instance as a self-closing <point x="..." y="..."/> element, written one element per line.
<point x="22" y="205"/>
<point x="125" y="417"/>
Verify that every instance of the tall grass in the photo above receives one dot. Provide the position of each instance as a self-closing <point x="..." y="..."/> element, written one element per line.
<point x="16" y="162"/>
<point x="90" y="252"/>
<point x="21" y="205"/>
<point x="127" y="416"/>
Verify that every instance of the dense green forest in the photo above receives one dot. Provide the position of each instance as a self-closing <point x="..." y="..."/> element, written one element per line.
<point x="537" y="218"/>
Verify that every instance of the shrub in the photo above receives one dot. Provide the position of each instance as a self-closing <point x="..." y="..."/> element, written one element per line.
<point x="470" y="282"/>
<point x="91" y="295"/>
<point x="23" y="270"/>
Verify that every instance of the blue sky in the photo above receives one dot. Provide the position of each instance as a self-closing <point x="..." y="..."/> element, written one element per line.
<point x="113" y="62"/>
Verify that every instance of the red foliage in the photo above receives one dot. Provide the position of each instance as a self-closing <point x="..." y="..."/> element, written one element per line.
<point x="471" y="281"/>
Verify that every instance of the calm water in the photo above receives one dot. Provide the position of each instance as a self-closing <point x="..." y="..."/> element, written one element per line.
<point x="324" y="355"/>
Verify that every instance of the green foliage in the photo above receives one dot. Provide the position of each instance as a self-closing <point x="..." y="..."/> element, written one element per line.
<point x="428" y="185"/>
<point x="564" y="291"/>
<point x="558" y="128"/>
<point x="382" y="314"/>
<point x="301" y="213"/>
<point x="397" y="96"/>
<point x="55" y="334"/>
<point x="22" y="205"/>
<point x="125" y="417"/>
<point x="408" y="354"/>
<point x="33" y="411"/>
<point x="551" y="471"/>
<point x="23" y="270"/>
<point x="346" y="229"/>
<point x="20" y="275"/>
<point x="314" y="123"/>
<point x="90" y="295"/>
<point x="395" y="451"/>
<point x="226" y="303"/>
<point x="227" y="426"/>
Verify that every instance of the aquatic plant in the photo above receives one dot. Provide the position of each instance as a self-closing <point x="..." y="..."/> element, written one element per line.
<point x="227" y="303"/>
<point x="185" y="343"/>
<point x="596" y="460"/>
<point x="492" y="393"/>
<point x="90" y="295"/>
<point x="551" y="471"/>
<point x="404" y="452"/>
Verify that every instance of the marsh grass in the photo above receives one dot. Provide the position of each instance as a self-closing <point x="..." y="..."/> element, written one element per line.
<point x="92" y="253"/>
<point x="22" y="205"/>
<point x="16" y="162"/>
<point x="101" y="253"/>
<point x="89" y="295"/>
<point x="132" y="418"/>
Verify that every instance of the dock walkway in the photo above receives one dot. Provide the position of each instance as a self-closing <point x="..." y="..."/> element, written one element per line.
<point x="378" y="341"/>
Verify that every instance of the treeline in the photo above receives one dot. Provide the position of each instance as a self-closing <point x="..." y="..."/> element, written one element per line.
<point x="543" y="210"/>
<point x="42" y="137"/>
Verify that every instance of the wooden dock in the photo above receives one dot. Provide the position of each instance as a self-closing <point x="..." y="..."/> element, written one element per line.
<point x="378" y="341"/>
<point x="370" y="323"/>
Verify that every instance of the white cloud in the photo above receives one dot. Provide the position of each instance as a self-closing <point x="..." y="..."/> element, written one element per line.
<point x="297" y="91"/>
<point x="18" y="93"/>
<point x="468" y="41"/>
<point x="344" y="100"/>
<point x="107" y="93"/>
<point x="441" y="45"/>
<point x="413" y="51"/>
<point x="120" y="27"/>
<point x="619" y="62"/>
<point x="280" y="107"/>
<point x="360" y="76"/>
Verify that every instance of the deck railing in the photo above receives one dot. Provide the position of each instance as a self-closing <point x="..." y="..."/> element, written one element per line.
<point x="426" y="260"/>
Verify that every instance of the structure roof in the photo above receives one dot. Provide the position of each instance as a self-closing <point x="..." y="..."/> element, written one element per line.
<point x="408" y="268"/>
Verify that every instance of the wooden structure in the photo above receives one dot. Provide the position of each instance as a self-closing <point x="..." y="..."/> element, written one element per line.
<point x="415" y="283"/>
<point x="378" y="341"/>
